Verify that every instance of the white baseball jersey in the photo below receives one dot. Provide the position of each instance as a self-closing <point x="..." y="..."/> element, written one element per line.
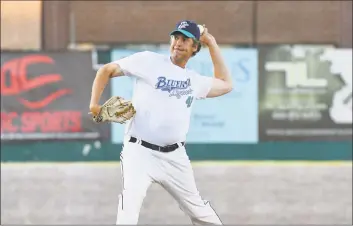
<point x="163" y="96"/>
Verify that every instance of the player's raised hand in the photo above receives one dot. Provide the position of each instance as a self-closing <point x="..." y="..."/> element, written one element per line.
<point x="206" y="38"/>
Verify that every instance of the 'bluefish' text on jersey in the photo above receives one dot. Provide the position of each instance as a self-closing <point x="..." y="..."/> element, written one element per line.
<point x="174" y="87"/>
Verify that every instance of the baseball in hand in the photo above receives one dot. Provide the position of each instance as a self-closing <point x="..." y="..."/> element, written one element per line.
<point x="202" y="28"/>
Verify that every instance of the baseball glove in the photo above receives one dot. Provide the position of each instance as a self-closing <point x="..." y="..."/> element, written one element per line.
<point x="115" y="109"/>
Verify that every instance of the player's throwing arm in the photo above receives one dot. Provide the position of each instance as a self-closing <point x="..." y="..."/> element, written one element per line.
<point x="223" y="82"/>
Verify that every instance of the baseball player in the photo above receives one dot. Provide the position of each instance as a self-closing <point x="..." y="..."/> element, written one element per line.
<point x="154" y="143"/>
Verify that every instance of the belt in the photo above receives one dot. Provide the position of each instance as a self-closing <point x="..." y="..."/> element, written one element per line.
<point x="168" y="148"/>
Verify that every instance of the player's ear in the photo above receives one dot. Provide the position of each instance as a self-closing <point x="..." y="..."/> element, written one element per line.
<point x="196" y="48"/>
<point x="194" y="45"/>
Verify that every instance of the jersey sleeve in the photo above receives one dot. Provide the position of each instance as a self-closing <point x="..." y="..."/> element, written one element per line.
<point x="204" y="85"/>
<point x="135" y="64"/>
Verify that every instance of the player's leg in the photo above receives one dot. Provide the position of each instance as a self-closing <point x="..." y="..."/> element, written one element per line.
<point x="135" y="183"/>
<point x="179" y="181"/>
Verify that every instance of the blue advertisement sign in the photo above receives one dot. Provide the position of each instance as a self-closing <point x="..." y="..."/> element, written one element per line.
<point x="232" y="118"/>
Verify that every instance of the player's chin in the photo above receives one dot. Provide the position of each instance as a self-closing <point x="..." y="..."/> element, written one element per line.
<point x="178" y="54"/>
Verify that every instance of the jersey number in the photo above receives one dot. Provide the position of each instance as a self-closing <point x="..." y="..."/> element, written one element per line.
<point x="189" y="101"/>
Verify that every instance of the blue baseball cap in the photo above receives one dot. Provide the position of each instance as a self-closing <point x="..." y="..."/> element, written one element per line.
<point x="188" y="28"/>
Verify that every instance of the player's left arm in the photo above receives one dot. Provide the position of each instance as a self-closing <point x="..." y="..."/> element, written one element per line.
<point x="222" y="81"/>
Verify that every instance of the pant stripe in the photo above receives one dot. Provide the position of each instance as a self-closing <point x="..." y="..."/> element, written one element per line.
<point x="122" y="180"/>
<point x="209" y="203"/>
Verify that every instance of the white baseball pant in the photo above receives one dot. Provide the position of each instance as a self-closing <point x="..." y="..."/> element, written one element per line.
<point x="141" y="166"/>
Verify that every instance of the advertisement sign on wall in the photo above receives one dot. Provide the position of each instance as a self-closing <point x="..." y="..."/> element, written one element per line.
<point x="228" y="119"/>
<point x="45" y="96"/>
<point x="305" y="93"/>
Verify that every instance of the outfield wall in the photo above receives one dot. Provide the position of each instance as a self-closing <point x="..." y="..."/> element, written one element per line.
<point x="290" y="102"/>
<point x="97" y="151"/>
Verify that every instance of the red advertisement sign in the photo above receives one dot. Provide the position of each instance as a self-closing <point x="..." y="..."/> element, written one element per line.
<point x="46" y="96"/>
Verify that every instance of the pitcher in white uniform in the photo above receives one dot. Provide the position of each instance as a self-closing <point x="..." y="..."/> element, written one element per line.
<point x="163" y="96"/>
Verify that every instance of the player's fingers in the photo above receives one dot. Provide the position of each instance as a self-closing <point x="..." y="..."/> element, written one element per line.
<point x="205" y="31"/>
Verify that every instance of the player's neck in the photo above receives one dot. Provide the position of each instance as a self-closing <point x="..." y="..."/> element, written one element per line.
<point x="179" y="63"/>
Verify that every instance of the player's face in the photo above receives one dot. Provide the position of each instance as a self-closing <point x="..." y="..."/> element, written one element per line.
<point x="182" y="47"/>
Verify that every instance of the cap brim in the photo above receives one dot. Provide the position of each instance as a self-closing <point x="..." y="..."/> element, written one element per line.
<point x="186" y="33"/>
